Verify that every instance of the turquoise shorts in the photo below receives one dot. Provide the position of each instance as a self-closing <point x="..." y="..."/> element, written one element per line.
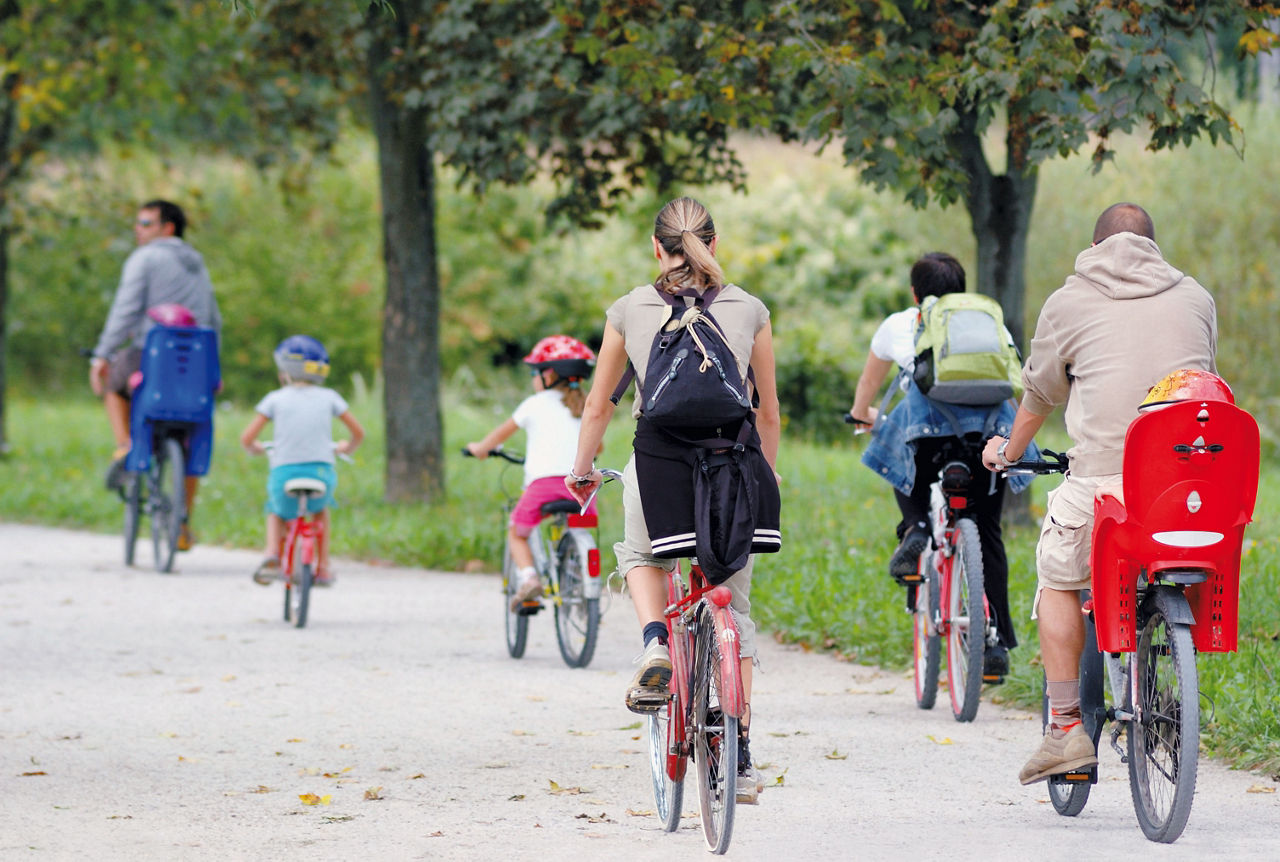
<point x="280" y="503"/>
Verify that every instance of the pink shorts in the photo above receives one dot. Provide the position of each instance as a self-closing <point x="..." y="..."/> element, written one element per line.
<point x="527" y="512"/>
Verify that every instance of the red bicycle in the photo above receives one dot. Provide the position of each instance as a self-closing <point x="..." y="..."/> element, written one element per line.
<point x="302" y="536"/>
<point x="700" y="720"/>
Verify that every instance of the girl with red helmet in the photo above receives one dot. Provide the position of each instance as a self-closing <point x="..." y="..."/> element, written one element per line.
<point x="551" y="417"/>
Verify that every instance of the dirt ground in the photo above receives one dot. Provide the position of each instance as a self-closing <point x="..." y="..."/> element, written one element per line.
<point x="145" y="717"/>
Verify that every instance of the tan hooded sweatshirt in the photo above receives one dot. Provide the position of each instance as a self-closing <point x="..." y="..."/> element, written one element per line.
<point x="1124" y="320"/>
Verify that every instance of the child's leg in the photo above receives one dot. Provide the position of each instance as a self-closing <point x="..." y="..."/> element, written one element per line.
<point x="275" y="535"/>
<point x="521" y="553"/>
<point x="322" y="542"/>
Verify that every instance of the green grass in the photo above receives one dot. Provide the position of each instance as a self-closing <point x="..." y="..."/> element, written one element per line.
<point x="827" y="589"/>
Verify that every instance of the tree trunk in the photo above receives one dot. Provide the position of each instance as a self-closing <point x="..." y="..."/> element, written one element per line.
<point x="1000" y="216"/>
<point x="411" y="318"/>
<point x="8" y="115"/>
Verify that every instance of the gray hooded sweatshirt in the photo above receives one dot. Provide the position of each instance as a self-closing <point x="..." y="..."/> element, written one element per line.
<point x="1124" y="320"/>
<point x="162" y="271"/>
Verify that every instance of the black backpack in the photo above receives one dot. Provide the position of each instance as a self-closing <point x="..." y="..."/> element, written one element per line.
<point x="691" y="379"/>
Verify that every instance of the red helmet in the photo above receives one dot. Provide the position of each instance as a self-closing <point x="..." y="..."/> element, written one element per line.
<point x="171" y="314"/>
<point x="564" y="355"/>
<point x="1187" y="384"/>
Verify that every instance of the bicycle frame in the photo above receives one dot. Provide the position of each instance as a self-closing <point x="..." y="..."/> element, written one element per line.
<point x="305" y="531"/>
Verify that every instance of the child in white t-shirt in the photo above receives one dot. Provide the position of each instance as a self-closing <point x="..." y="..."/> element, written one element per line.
<point x="303" y="412"/>
<point x="550" y="418"/>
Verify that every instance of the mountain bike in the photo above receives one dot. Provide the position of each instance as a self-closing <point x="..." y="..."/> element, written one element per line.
<point x="1165" y="569"/>
<point x="948" y="599"/>
<point x="568" y="561"/>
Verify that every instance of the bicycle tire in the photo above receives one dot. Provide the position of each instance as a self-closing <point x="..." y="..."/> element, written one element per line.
<point x="577" y="617"/>
<point x="665" y="765"/>
<point x="517" y="625"/>
<point x="133" y="503"/>
<point x="926" y="646"/>
<point x="168" y="504"/>
<point x="1164" y="735"/>
<point x="966" y="630"/>
<point x="298" y="594"/>
<point x="715" y="740"/>
<point x="1070" y="798"/>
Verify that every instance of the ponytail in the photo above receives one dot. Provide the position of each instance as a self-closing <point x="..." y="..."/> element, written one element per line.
<point x="684" y="228"/>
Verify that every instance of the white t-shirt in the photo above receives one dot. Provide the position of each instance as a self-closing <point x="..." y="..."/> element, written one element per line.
<point x="552" y="433"/>
<point x="896" y="338"/>
<point x="302" y="418"/>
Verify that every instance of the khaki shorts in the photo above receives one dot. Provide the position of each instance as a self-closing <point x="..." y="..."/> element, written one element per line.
<point x="634" y="550"/>
<point x="1066" y="537"/>
<point x="120" y="367"/>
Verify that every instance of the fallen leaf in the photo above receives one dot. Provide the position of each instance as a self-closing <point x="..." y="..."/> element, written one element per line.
<point x="633" y="726"/>
<point x="419" y="775"/>
<point x="602" y="817"/>
<point x="649" y="812"/>
<point x="229" y="677"/>
<point x="312" y="799"/>
<point x="536" y="698"/>
<point x="610" y="766"/>
<point x="436" y="834"/>
<point x="1260" y="788"/>
<point x="29" y="774"/>
<point x="338" y="774"/>
<point x="557" y="790"/>
<point x="373" y="793"/>
<point x="515" y="798"/>
<point x="339" y="818"/>
<point x="494" y="765"/>
<point x="836" y="755"/>
<point x="346" y="745"/>
<point x="582" y="733"/>
<point x="518" y="732"/>
<point x="946" y="740"/>
<point x="262" y="788"/>
<point x="295" y="739"/>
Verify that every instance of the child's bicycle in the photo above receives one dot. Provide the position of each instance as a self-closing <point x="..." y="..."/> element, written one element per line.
<point x="949" y="599"/>
<point x="302" y="536"/>
<point x="568" y="561"/>
<point x="700" y="716"/>
<point x="1165" y="569"/>
<point x="159" y="493"/>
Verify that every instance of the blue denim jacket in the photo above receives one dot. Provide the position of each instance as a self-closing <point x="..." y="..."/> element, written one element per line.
<point x="892" y="451"/>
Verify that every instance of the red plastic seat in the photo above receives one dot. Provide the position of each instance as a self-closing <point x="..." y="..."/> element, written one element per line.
<point x="1190" y="483"/>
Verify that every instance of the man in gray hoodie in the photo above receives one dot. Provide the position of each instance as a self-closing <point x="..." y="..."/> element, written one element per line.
<point x="1119" y="324"/>
<point x="162" y="269"/>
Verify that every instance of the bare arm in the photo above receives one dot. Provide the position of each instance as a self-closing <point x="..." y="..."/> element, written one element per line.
<point x="355" y="429"/>
<point x="1025" y="426"/>
<point x="768" y="413"/>
<point x="249" y="439"/>
<point x="611" y="362"/>
<point x="874" y="372"/>
<point x="493" y="439"/>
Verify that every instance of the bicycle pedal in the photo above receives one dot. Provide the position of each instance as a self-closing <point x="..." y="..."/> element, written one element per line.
<point x="646" y="701"/>
<point x="1075" y="777"/>
<point x="528" y="609"/>
<point x="910" y="580"/>
<point x="993" y="679"/>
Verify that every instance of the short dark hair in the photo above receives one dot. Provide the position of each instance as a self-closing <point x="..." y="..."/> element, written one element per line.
<point x="1122" y="217"/>
<point x="936" y="273"/>
<point x="170" y="213"/>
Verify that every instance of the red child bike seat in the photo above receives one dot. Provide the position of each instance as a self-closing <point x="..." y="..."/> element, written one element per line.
<point x="1190" y="483"/>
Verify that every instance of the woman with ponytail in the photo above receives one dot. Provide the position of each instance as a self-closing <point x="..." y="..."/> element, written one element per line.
<point x="684" y="245"/>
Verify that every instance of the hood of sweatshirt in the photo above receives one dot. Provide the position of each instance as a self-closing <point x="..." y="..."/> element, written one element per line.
<point x="1127" y="266"/>
<point x="188" y="258"/>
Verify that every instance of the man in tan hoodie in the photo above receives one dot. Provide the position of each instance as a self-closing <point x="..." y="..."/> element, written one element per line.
<point x="1120" y="323"/>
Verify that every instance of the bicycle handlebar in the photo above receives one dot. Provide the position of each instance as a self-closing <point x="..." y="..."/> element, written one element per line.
<point x="1054" y="462"/>
<point x="500" y="453"/>
<point x="268" y="445"/>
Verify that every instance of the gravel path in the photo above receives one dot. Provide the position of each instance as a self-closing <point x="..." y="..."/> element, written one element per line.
<point x="177" y="717"/>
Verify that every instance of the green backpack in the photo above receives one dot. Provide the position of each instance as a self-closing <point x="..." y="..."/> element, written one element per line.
<point x="963" y="355"/>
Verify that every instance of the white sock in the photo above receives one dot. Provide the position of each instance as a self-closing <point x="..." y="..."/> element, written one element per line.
<point x="525" y="573"/>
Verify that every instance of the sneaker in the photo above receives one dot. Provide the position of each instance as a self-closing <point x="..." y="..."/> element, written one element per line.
<point x="749" y="784"/>
<point x="186" y="541"/>
<point x="1060" y="752"/>
<point x="995" y="664"/>
<point x="904" y="565"/>
<point x="650" y="687"/>
<point x="267" y="572"/>
<point x="116" y="472"/>
<point x="529" y="590"/>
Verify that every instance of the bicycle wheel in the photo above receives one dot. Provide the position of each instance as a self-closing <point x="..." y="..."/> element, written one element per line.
<point x="927" y="646"/>
<point x="666" y="766"/>
<point x="517" y="624"/>
<point x="1164" y="736"/>
<point x="577" y="617"/>
<point x="1069" y="797"/>
<point x="134" y="501"/>
<point x="168" y="501"/>
<point x="715" y="740"/>
<point x="297" y="595"/>
<point x="966" y="634"/>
